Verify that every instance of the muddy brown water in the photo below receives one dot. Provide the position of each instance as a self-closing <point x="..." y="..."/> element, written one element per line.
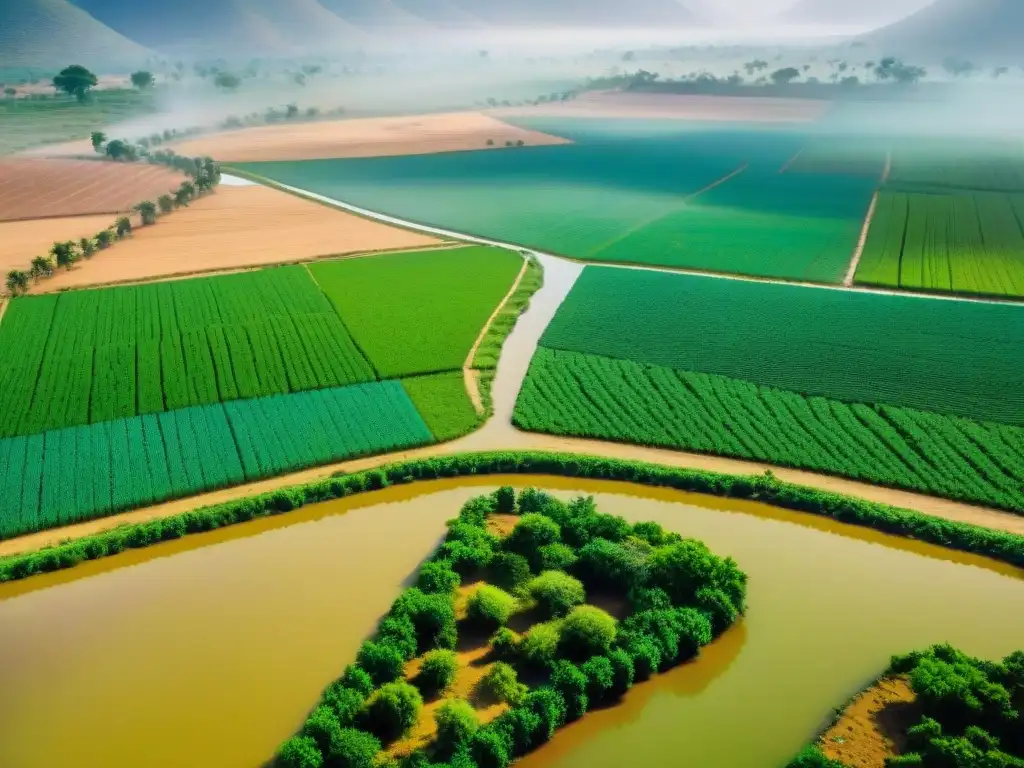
<point x="208" y="651"/>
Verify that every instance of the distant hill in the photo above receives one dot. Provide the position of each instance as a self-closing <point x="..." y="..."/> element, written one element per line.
<point x="615" y="14"/>
<point x="850" y="12"/>
<point x="985" y="30"/>
<point x="45" y="33"/>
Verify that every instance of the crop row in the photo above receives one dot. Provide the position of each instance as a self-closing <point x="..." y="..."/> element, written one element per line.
<point x="90" y="356"/>
<point x="69" y="475"/>
<point x="956" y="357"/>
<point x="994" y="166"/>
<point x="596" y="397"/>
<point x="963" y="242"/>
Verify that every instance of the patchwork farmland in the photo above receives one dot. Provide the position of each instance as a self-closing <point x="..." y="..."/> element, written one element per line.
<point x="121" y="397"/>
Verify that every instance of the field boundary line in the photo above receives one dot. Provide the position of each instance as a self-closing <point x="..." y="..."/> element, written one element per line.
<point x="862" y="241"/>
<point x="3" y="307"/>
<point x="473" y="382"/>
<point x="792" y="160"/>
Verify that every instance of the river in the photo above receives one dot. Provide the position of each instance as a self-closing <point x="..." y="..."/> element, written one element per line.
<point x="208" y="651"/>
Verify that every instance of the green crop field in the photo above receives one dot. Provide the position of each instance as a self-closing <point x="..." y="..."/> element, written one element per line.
<point x="90" y="356"/>
<point x="940" y="163"/>
<point x="442" y="400"/>
<point x="956" y="357"/>
<point x="969" y="242"/>
<point x="421" y="312"/>
<point x="626" y="191"/>
<point x="568" y="393"/>
<point x="69" y="475"/>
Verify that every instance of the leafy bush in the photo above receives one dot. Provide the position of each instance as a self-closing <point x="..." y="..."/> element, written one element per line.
<point x="587" y="631"/>
<point x="653" y="534"/>
<point x="490" y="607"/>
<point x="521" y="727"/>
<point x="456" y="724"/>
<point x="556" y="557"/>
<point x="678" y="633"/>
<point x="694" y="630"/>
<point x="353" y="749"/>
<point x="556" y="593"/>
<point x="623" y="671"/>
<point x="812" y="757"/>
<point x="438" y="576"/>
<point x="323" y="727"/>
<point x="346" y="703"/>
<point x="505" y="500"/>
<point x="549" y="705"/>
<point x="299" y="752"/>
<point x="510" y="571"/>
<point x="532" y="532"/>
<point x="715" y="604"/>
<point x="505" y="643"/>
<point x="606" y="565"/>
<point x="600" y="677"/>
<point x="438" y="672"/>
<point x="491" y="748"/>
<point x="540" y="646"/>
<point x="392" y="710"/>
<point x="399" y="631"/>
<point x="649" y="599"/>
<point x="683" y="568"/>
<point x="571" y="683"/>
<point x="644" y="652"/>
<point x="382" y="661"/>
<point x="357" y="679"/>
<point x="501" y="683"/>
<point x="467" y="547"/>
<point x="432" y="615"/>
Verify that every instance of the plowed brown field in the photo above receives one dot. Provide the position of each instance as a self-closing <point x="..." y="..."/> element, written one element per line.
<point x="22" y="241"/>
<point x="32" y="188"/>
<point x="234" y="228"/>
<point x="363" y="137"/>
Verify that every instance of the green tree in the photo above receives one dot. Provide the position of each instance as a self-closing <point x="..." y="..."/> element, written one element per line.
<point x="86" y="247"/>
<point x="510" y="571"/>
<point x="785" y="75"/>
<point x="118" y="149"/>
<point x="184" y="194"/>
<point x="600" y="677"/>
<point x="571" y="683"/>
<point x="98" y="139"/>
<point x="491" y="748"/>
<point x="299" y="752"/>
<point x="438" y="672"/>
<point x="64" y="254"/>
<point x="17" y="282"/>
<point x="501" y="683"/>
<point x="532" y="532"/>
<point x="123" y="227"/>
<point x="142" y="80"/>
<point x="392" y="710"/>
<point x="41" y="267"/>
<point x="166" y="203"/>
<point x="540" y="645"/>
<point x="323" y="727"/>
<point x="456" y="724"/>
<point x="75" y="81"/>
<point x="227" y="81"/>
<point x="103" y="239"/>
<point x="437" y="577"/>
<point x="147" y="210"/>
<point x="490" y="607"/>
<point x="353" y="748"/>
<point x="556" y="593"/>
<point x="587" y="631"/>
<point x="381" y="661"/>
<point x="10" y="91"/>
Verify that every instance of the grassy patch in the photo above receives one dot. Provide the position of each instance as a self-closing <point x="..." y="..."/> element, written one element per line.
<point x="489" y="351"/>
<point x="442" y="401"/>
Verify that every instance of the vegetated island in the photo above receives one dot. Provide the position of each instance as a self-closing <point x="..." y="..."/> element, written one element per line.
<point x="531" y="612"/>
<point x="937" y="708"/>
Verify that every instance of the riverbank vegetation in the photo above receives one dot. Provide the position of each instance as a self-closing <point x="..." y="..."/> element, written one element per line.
<point x="1005" y="547"/>
<point x="955" y="711"/>
<point x="545" y="651"/>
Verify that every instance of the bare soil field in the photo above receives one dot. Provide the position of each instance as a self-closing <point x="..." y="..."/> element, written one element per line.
<point x="363" y="137"/>
<point x="676" y="106"/>
<point x="872" y="726"/>
<point x="38" y="188"/>
<point x="234" y="228"/>
<point x="22" y="241"/>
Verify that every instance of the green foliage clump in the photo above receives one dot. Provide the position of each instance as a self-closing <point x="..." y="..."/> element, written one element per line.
<point x="510" y="571"/>
<point x="345" y="702"/>
<point x="540" y="646"/>
<point x="323" y="727"/>
<point x="392" y="710"/>
<point x="586" y="631"/>
<point x="382" y="661"/>
<point x="600" y="678"/>
<point x="606" y="565"/>
<point x="353" y="748"/>
<point x="505" y="500"/>
<point x="505" y="643"/>
<point x="812" y="757"/>
<point x="490" y="607"/>
<point x="556" y="557"/>
<point x="550" y="708"/>
<point x="501" y="683"/>
<point x="532" y="532"/>
<point x="456" y="724"/>
<point x="468" y="547"/>
<point x="644" y="652"/>
<point x="623" y="671"/>
<point x="571" y="683"/>
<point x="685" y="567"/>
<point x="677" y="633"/>
<point x="432" y="616"/>
<point x="556" y="593"/>
<point x="357" y="679"/>
<point x="438" y="576"/>
<point x="299" y="752"/>
<point x="398" y="630"/>
<point x="438" y="672"/>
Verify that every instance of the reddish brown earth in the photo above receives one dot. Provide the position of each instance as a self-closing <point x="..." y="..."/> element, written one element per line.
<point x="873" y="725"/>
<point x="37" y="188"/>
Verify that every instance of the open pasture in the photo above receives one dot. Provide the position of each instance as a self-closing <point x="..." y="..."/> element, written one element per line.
<point x="568" y="393"/>
<point x="955" y="357"/>
<point x="393" y="308"/>
<point x="69" y="475"/>
<point x="36" y="188"/>
<point x="91" y="356"/>
<point x="244" y="226"/>
<point x="662" y="193"/>
<point x="960" y="241"/>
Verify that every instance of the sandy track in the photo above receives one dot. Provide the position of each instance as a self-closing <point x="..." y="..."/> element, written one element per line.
<point x="676" y="107"/>
<point x="363" y="137"/>
<point x="236" y="227"/>
<point x="22" y="241"/>
<point x="38" y="188"/>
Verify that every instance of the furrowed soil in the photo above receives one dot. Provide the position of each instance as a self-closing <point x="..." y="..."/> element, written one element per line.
<point x="234" y="228"/>
<point x="364" y="137"/>
<point x="35" y="188"/>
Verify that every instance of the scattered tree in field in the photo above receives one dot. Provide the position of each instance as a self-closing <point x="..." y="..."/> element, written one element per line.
<point x="123" y="227"/>
<point x="958" y="67"/>
<point x="41" y="267"/>
<point x="11" y="91"/>
<point x="17" y="282"/>
<point x="98" y="139"/>
<point x="142" y="80"/>
<point x="87" y="247"/>
<point x="147" y="210"/>
<point x="185" y="194"/>
<point x="166" y="203"/>
<point x="75" y="81"/>
<point x="785" y="76"/>
<point x="227" y="81"/>
<point x="893" y="69"/>
<point x="757" y="65"/>
<point x="121" y="150"/>
<point x="64" y="254"/>
<point x="103" y="239"/>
